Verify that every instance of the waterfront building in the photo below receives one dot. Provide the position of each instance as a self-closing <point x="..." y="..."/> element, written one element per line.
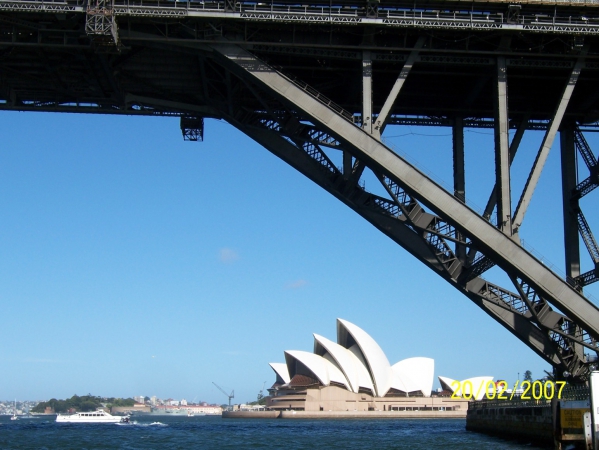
<point x="168" y="409"/>
<point x="209" y="410"/>
<point x="354" y="374"/>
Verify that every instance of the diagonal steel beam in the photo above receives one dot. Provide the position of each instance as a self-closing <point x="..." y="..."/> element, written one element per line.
<point x="396" y="225"/>
<point x="400" y="224"/>
<point x="383" y="117"/>
<point x="523" y="329"/>
<point x="356" y="198"/>
<point x="403" y="218"/>
<point x="590" y="183"/>
<point x="585" y="150"/>
<point x="509" y="255"/>
<point x="588" y="238"/>
<point x="587" y="185"/>
<point x="539" y="164"/>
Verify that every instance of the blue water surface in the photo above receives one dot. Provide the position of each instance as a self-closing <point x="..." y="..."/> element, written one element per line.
<point x="164" y="432"/>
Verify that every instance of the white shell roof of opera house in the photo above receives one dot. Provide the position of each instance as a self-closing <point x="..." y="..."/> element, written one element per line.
<point x="357" y="362"/>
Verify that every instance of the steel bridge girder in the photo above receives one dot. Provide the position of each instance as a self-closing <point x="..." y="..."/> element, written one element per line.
<point x="494" y="243"/>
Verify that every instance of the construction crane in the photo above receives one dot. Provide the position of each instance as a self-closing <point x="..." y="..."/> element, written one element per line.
<point x="231" y="395"/>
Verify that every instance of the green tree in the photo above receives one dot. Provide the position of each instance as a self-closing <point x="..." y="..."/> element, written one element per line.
<point x="260" y="399"/>
<point x="83" y="403"/>
<point x="120" y="402"/>
<point x="88" y="405"/>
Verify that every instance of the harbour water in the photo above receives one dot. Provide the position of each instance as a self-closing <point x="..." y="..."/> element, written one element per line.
<point x="207" y="432"/>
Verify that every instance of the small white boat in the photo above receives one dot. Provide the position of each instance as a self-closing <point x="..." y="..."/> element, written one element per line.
<point x="99" y="416"/>
<point x="190" y="413"/>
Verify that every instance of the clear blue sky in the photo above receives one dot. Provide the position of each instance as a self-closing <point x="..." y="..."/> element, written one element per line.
<point x="133" y="263"/>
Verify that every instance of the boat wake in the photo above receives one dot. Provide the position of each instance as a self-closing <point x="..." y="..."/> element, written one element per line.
<point x="138" y="424"/>
<point x="158" y="424"/>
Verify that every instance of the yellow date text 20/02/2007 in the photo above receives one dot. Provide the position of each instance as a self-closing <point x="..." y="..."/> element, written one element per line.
<point x="529" y="390"/>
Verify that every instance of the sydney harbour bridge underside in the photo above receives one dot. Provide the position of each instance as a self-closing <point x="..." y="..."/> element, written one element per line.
<point x="319" y="78"/>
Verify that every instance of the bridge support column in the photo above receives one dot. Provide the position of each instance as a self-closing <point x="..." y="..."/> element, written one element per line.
<point x="502" y="151"/>
<point x="492" y="202"/>
<point x="367" y="91"/>
<point x="459" y="173"/>
<point x="570" y="203"/>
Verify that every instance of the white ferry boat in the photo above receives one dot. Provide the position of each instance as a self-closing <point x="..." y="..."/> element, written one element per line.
<point x="99" y="416"/>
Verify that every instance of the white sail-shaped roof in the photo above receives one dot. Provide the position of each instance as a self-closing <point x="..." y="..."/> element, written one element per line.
<point x="375" y="359"/>
<point x="475" y="387"/>
<point x="416" y="374"/>
<point x="399" y="383"/>
<point x="357" y="362"/>
<point x="322" y="369"/>
<point x="446" y="383"/>
<point x="354" y="370"/>
<point x="281" y="370"/>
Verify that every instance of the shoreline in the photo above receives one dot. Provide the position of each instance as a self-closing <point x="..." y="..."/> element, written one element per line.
<point x="344" y="414"/>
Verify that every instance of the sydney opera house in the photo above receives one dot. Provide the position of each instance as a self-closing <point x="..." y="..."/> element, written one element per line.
<point x="354" y="374"/>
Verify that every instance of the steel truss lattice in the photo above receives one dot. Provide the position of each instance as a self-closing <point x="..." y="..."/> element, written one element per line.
<point x="393" y="15"/>
<point x="298" y="135"/>
<point x="301" y="100"/>
<point x="192" y="128"/>
<point x="101" y="21"/>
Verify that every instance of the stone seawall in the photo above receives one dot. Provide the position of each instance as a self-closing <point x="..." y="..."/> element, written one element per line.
<point x="344" y="414"/>
<point x="533" y="423"/>
<point x="251" y="414"/>
<point x="373" y="414"/>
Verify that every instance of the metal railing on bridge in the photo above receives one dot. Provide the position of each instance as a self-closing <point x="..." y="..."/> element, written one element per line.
<point x="433" y="16"/>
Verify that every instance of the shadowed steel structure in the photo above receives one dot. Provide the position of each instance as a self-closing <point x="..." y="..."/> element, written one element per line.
<point x="321" y="77"/>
